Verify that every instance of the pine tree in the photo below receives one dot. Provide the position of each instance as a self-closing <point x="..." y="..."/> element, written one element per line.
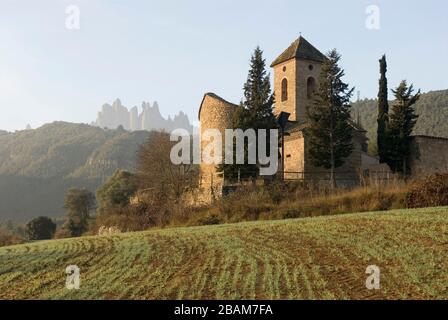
<point x="401" y="124"/>
<point x="255" y="112"/>
<point x="330" y="129"/>
<point x="383" y="111"/>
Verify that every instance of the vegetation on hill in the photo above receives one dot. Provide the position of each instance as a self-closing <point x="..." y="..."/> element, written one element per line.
<point x="37" y="167"/>
<point x="62" y="149"/>
<point x="432" y="109"/>
<point x="312" y="258"/>
<point x="296" y="201"/>
<point x="11" y="234"/>
<point x="269" y="202"/>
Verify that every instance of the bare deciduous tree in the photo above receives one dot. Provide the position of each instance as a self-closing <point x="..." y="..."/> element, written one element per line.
<point x="158" y="175"/>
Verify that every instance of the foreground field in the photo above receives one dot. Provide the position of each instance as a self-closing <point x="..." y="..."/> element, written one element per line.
<point x="313" y="258"/>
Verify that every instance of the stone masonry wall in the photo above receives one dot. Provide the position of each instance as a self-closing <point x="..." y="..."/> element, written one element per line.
<point x="297" y="73"/>
<point x="281" y="71"/>
<point x="305" y="69"/>
<point x="294" y="156"/>
<point x="428" y="155"/>
<point x="348" y="173"/>
<point x="215" y="113"/>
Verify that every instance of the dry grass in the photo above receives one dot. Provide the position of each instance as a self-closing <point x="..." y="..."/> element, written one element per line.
<point x="430" y="192"/>
<point x="8" y="238"/>
<point x="286" y="202"/>
<point x="311" y="258"/>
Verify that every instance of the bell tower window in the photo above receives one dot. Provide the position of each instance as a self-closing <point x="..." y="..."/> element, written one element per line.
<point x="284" y="89"/>
<point x="310" y="87"/>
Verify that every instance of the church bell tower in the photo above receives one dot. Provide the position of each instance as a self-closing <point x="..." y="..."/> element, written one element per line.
<point x="296" y="74"/>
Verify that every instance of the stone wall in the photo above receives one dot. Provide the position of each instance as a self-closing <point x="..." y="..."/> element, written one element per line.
<point x="428" y="155"/>
<point x="214" y="113"/>
<point x="285" y="70"/>
<point x="298" y="163"/>
<point x="297" y="72"/>
<point x="348" y="173"/>
<point x="305" y="70"/>
<point x="294" y="156"/>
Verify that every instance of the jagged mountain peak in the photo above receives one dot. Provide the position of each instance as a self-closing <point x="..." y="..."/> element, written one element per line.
<point x="150" y="118"/>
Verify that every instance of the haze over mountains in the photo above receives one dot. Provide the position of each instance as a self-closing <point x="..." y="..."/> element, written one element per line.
<point x="115" y="115"/>
<point x="38" y="166"/>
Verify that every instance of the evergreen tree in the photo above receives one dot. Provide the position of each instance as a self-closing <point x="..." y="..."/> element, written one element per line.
<point x="330" y="128"/>
<point x="383" y="111"/>
<point x="401" y="124"/>
<point x="255" y="112"/>
<point x="79" y="203"/>
<point x="116" y="192"/>
<point x="40" y="228"/>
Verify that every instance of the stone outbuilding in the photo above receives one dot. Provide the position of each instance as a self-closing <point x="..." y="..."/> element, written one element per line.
<point x="429" y="155"/>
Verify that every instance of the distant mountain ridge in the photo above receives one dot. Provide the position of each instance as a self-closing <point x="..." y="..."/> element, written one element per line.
<point x="38" y="166"/>
<point x="150" y="118"/>
<point x="432" y="109"/>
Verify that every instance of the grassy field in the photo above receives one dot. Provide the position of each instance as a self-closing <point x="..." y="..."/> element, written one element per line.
<point x="311" y="258"/>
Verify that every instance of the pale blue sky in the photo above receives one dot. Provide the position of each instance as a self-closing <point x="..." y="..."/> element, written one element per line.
<point x="175" y="51"/>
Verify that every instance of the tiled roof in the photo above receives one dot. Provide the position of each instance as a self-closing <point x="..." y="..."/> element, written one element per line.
<point x="300" y="49"/>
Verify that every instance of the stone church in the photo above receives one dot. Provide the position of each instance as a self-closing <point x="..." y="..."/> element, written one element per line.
<point x="296" y="73"/>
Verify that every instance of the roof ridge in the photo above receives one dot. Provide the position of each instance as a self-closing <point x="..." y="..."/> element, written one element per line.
<point x="300" y="49"/>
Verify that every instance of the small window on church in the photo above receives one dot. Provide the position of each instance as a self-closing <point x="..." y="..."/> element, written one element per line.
<point x="310" y="87"/>
<point x="284" y="69"/>
<point x="284" y="90"/>
<point x="311" y="67"/>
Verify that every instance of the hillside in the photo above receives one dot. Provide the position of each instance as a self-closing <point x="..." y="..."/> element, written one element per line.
<point x="38" y="166"/>
<point x="311" y="258"/>
<point x="432" y="108"/>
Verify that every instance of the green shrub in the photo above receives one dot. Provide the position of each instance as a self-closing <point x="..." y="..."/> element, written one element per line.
<point x="40" y="229"/>
<point x="209" y="220"/>
<point x="131" y="218"/>
<point x="291" y="214"/>
<point x="116" y="192"/>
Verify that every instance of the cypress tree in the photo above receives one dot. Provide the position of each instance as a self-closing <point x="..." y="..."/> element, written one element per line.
<point x="401" y="123"/>
<point x="383" y="111"/>
<point x="330" y="129"/>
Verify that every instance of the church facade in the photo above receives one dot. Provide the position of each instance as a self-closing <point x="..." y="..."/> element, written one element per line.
<point x="296" y="75"/>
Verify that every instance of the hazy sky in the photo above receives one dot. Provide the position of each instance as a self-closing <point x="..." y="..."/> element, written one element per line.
<point x="175" y="51"/>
